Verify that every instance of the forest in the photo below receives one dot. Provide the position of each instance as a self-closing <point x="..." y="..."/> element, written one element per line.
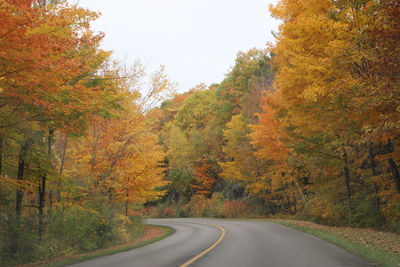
<point x="307" y="127"/>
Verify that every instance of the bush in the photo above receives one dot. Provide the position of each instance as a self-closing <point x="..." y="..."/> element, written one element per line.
<point x="18" y="244"/>
<point x="82" y="229"/>
<point x="200" y="206"/>
<point x="196" y="207"/>
<point x="392" y="215"/>
<point x="364" y="215"/>
<point x="71" y="229"/>
<point x="168" y="212"/>
<point x="237" y="209"/>
<point x="150" y="211"/>
<point x="216" y="204"/>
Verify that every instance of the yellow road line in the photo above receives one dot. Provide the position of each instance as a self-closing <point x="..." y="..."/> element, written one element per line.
<point x="208" y="249"/>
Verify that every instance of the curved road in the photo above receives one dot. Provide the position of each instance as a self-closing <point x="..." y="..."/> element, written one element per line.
<point x="231" y="243"/>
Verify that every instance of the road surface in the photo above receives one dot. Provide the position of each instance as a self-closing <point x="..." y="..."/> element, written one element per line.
<point x="242" y="243"/>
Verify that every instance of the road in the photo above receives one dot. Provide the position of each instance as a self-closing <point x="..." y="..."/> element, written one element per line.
<point x="232" y="243"/>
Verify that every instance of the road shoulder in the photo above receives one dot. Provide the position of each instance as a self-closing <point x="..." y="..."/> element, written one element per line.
<point x="362" y="242"/>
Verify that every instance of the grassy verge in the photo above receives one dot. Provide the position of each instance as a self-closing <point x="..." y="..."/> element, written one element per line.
<point x="105" y="252"/>
<point x="378" y="256"/>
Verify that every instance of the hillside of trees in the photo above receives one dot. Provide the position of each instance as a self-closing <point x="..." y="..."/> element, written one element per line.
<point x="307" y="127"/>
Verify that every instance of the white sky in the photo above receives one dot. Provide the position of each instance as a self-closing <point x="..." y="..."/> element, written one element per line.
<point x="196" y="40"/>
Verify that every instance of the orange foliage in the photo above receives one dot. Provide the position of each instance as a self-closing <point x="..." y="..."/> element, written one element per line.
<point x="268" y="136"/>
<point x="45" y="54"/>
<point x="203" y="182"/>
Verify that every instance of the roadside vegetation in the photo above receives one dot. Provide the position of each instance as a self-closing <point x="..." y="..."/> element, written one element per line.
<point x="151" y="234"/>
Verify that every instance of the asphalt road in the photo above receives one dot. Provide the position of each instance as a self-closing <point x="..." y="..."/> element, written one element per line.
<point x="232" y="243"/>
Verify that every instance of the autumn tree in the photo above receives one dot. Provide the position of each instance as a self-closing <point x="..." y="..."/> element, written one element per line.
<point x="203" y="181"/>
<point x="73" y="128"/>
<point x="327" y="85"/>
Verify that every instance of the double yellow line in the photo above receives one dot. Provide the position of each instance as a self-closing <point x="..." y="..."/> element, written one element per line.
<point x="208" y="249"/>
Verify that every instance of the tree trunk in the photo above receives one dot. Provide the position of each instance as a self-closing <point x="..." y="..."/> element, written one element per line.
<point x="126" y="208"/>
<point x="374" y="173"/>
<point x="295" y="205"/>
<point x="347" y="177"/>
<point x="49" y="139"/>
<point x="42" y="198"/>
<point x="62" y="166"/>
<point x="303" y="197"/>
<point x="373" y="163"/>
<point x="93" y="149"/>
<point x="95" y="144"/>
<point x="1" y="154"/>
<point x="347" y="181"/>
<point x="395" y="173"/>
<point x="20" y="176"/>
<point x="377" y="200"/>
<point x="63" y="154"/>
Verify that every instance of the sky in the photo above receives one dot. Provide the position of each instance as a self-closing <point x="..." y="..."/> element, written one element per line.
<point x="196" y="40"/>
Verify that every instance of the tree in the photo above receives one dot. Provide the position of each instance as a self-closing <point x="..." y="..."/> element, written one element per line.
<point x="202" y="181"/>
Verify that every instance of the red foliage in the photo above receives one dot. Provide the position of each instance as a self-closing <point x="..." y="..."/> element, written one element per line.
<point x="236" y="209"/>
<point x="203" y="182"/>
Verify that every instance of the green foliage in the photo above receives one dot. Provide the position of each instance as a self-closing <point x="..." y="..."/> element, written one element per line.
<point x="71" y="230"/>
<point x="105" y="252"/>
<point x="250" y="73"/>
<point x="18" y="245"/>
<point x="179" y="189"/>
<point x="196" y="111"/>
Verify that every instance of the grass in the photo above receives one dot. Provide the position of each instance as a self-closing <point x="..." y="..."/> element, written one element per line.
<point x="110" y="251"/>
<point x="380" y="257"/>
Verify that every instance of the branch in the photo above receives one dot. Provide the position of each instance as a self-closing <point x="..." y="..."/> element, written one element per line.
<point x="11" y="72"/>
<point x="11" y="30"/>
<point x="121" y="148"/>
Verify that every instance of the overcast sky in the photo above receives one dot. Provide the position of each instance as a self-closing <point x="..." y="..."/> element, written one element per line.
<point x="196" y="40"/>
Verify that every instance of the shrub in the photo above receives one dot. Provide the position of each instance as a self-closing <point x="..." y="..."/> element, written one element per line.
<point x="196" y="207"/>
<point x="18" y="244"/>
<point x="71" y="229"/>
<point x="168" y="212"/>
<point x="216" y="203"/>
<point x="237" y="209"/>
